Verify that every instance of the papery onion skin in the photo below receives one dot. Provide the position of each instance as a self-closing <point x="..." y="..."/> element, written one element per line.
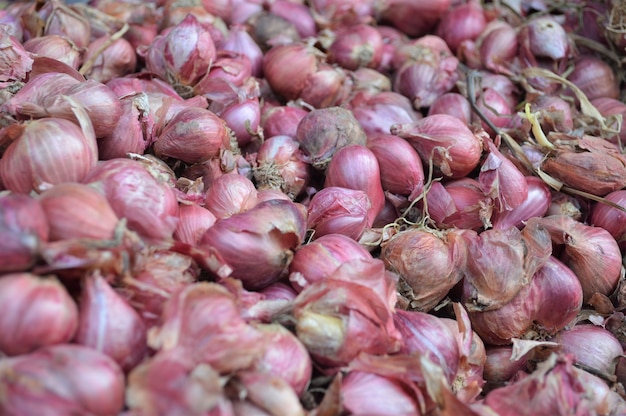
<point x="324" y="131"/>
<point x="536" y="204"/>
<point x="336" y="210"/>
<point x="23" y="227"/>
<point x="609" y="218"/>
<point x="369" y="393"/>
<point x="60" y="380"/>
<point x="459" y="203"/>
<point x="109" y="324"/>
<point x="95" y="218"/>
<point x="56" y="47"/>
<point x="46" y="151"/>
<point x="193" y="221"/>
<point x="230" y="194"/>
<point x="37" y="312"/>
<point x="429" y="264"/>
<point x="153" y="209"/>
<point x="284" y="77"/>
<point x="546" y="305"/>
<point x="318" y="259"/>
<point x="454" y="150"/>
<point x="269" y="233"/>
<point x="356" y="167"/>
<point x="194" y="135"/>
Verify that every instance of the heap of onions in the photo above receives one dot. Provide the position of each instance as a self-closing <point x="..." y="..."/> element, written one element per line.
<point x="292" y="207"/>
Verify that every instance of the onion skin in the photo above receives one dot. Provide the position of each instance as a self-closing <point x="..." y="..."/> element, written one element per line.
<point x="336" y="210"/>
<point x="319" y="259"/>
<point x="536" y="204"/>
<point x="37" y="312"/>
<point x="284" y="77"/>
<point x="356" y="167"/>
<point x="23" y="227"/>
<point x="269" y="232"/>
<point x="533" y="310"/>
<point x="609" y="218"/>
<point x="432" y="133"/>
<point x="153" y="210"/>
<point x="430" y="265"/>
<point x="60" y="380"/>
<point x="459" y="203"/>
<point x="95" y="218"/>
<point x="109" y="324"/>
<point x="46" y="151"/>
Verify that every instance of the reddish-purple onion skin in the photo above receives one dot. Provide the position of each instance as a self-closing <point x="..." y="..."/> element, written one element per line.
<point x="281" y="120"/>
<point x="546" y="305"/>
<point x="611" y="219"/>
<point x="153" y="209"/>
<point x="356" y="167"/>
<point x="193" y="221"/>
<point x="459" y="203"/>
<point x="426" y="334"/>
<point x="536" y="204"/>
<point x="464" y="21"/>
<point x="318" y="259"/>
<point x="268" y="233"/>
<point x="36" y="312"/>
<point x="62" y="380"/>
<point x="336" y="210"/>
<point x="109" y="324"/>
<point x="377" y="112"/>
<point x="23" y="227"/>
<point x="356" y="46"/>
<point x="454" y="104"/>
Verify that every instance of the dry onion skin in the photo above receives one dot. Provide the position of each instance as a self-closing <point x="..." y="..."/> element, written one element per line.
<point x="322" y="207"/>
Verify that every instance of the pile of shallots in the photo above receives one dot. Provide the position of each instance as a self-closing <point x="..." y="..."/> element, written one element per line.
<point x="320" y="207"/>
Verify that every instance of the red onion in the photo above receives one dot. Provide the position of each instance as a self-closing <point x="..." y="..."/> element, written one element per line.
<point x="60" y="380"/>
<point x="611" y="109"/>
<point x="546" y="305"/>
<point x="23" y="227"/>
<point x="609" y="218"/>
<point x="318" y="260"/>
<point x="415" y="19"/>
<point x="243" y="118"/>
<point x="555" y="387"/>
<point x="193" y="221"/>
<point x="500" y="365"/>
<point x="324" y="131"/>
<point x="339" y="319"/>
<point x="458" y="204"/>
<point x="274" y="228"/>
<point x="296" y="13"/>
<point x="556" y="113"/>
<point x="356" y="167"/>
<point x="229" y="66"/>
<point x="336" y="210"/>
<point x="368" y="393"/>
<point x="222" y="339"/>
<point x="240" y="41"/>
<point x="536" y="204"/>
<point x="356" y="46"/>
<point x="285" y="357"/>
<point x="500" y="179"/>
<point x="152" y="211"/>
<point x="182" y="56"/>
<point x="498" y="46"/>
<point x="16" y="62"/>
<point x="461" y="22"/>
<point x="377" y="112"/>
<point x="281" y="120"/>
<point x="194" y="135"/>
<point x="56" y="18"/>
<point x="155" y="277"/>
<point x="454" y="104"/>
<point x="288" y="67"/>
<point x="342" y="12"/>
<point x="109" y="324"/>
<point x="75" y="210"/>
<point x="391" y="152"/>
<point x="446" y="141"/>
<point x="594" y="77"/>
<point x="117" y="59"/>
<point x="429" y="73"/>
<point x="45" y="96"/>
<point x="543" y="38"/>
<point x="590" y="252"/>
<point x="46" y="152"/>
<point x="425" y="334"/>
<point x="594" y="348"/>
<point x="280" y="165"/>
<point x="329" y="86"/>
<point x="230" y="194"/>
<point x="495" y="107"/>
<point x="429" y="264"/>
<point x="38" y="312"/>
<point x="57" y="47"/>
<point x="268" y="29"/>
